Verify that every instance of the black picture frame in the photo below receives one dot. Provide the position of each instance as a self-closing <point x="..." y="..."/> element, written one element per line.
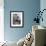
<point x="16" y="19"/>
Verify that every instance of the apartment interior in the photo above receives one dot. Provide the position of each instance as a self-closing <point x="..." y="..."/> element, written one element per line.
<point x="38" y="31"/>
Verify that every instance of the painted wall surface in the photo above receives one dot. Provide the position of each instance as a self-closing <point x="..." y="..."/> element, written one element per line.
<point x="43" y="6"/>
<point x="29" y="7"/>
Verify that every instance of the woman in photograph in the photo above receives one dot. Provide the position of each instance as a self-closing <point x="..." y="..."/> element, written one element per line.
<point x="16" y="19"/>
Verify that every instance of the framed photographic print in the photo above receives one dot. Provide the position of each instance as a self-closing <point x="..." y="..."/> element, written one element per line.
<point x="16" y="18"/>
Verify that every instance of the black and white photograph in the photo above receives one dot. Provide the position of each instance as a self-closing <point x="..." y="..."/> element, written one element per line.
<point x="16" y="18"/>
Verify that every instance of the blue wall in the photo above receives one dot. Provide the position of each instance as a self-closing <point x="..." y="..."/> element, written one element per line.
<point x="43" y="6"/>
<point x="29" y="7"/>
